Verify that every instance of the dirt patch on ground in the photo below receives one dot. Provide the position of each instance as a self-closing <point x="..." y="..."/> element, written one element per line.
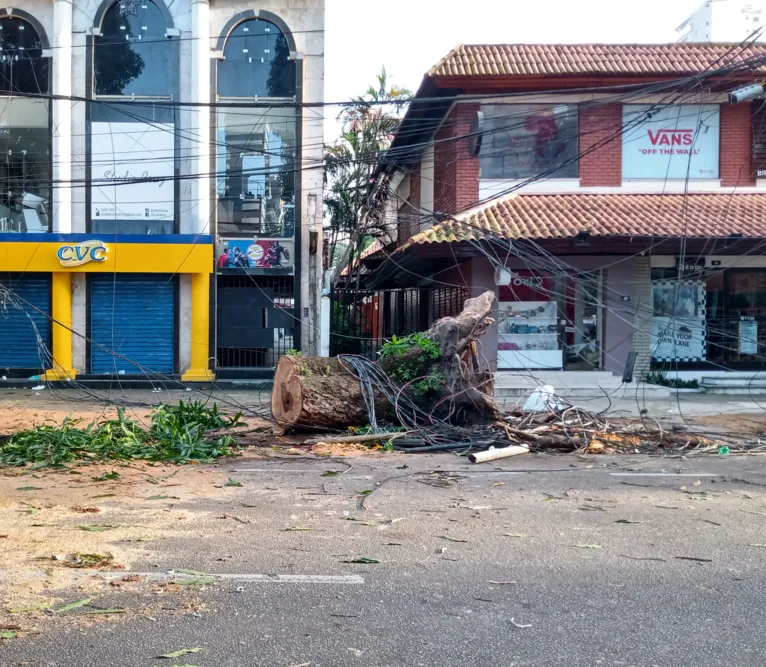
<point x="740" y="424"/>
<point x="50" y="518"/>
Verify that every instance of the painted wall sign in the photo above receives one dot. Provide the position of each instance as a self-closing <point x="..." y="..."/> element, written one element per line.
<point x="132" y="171"/>
<point x="670" y="142"/>
<point x="259" y="253"/>
<point x="78" y="254"/>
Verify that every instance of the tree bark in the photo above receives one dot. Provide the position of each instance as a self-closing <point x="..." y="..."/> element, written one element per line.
<point x="320" y="392"/>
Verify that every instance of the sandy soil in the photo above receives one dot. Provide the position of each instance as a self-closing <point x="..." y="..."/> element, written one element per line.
<point x="48" y="517"/>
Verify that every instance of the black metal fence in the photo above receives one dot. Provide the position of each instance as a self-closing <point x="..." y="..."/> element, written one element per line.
<point x="362" y="320"/>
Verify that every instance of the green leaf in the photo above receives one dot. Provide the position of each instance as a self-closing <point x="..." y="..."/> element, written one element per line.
<point x="362" y="561"/>
<point x="451" y="539"/>
<point x="29" y="488"/>
<point x="181" y="570"/>
<point x="199" y="581"/>
<point x="105" y="495"/>
<point x="96" y="529"/>
<point x="514" y="535"/>
<point x="28" y="608"/>
<point x="295" y="529"/>
<point x="233" y="482"/>
<point x="163" y="497"/>
<point x="366" y="492"/>
<point x="626" y="521"/>
<point x="96" y="612"/>
<point x="7" y="634"/>
<point x="107" y="476"/>
<point x="72" y="605"/>
<point x="587" y="546"/>
<point x="180" y="652"/>
<point x="329" y="473"/>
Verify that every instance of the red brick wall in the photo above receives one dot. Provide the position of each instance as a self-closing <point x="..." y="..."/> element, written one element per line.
<point x="601" y="166"/>
<point x="736" y="145"/>
<point x="456" y="174"/>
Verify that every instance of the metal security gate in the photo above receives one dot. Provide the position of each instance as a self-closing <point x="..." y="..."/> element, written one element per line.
<point x="21" y="320"/>
<point x="255" y="321"/>
<point x="362" y="320"/>
<point x="133" y="317"/>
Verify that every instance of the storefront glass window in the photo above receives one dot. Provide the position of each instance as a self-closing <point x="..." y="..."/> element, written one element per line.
<point x="256" y="172"/>
<point x="525" y="140"/>
<point x="25" y="163"/>
<point x="133" y="138"/>
<point x="256" y="161"/>
<point x="713" y="315"/>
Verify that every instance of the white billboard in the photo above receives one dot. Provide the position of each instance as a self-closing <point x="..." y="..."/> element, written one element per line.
<point x="132" y="170"/>
<point x="670" y="142"/>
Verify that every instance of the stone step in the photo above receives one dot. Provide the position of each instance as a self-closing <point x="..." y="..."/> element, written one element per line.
<point x="731" y="385"/>
<point x="649" y="391"/>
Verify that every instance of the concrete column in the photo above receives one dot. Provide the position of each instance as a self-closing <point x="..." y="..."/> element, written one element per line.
<point x="200" y="330"/>
<point x="200" y="220"/>
<point x="61" y="312"/>
<point x="62" y="116"/>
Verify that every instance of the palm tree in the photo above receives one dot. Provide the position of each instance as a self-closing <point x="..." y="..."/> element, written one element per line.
<point x="369" y="125"/>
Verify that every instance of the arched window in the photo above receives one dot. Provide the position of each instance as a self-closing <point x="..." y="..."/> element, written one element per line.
<point x="256" y="62"/>
<point x="133" y="54"/>
<point x="256" y="144"/>
<point x="25" y="161"/>
<point x="133" y="122"/>
<point x="22" y="66"/>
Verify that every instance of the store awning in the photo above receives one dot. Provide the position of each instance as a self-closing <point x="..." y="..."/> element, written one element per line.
<point x="539" y="217"/>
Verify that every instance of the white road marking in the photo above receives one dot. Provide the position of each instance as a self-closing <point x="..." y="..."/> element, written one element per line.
<point x="353" y="579"/>
<point x="664" y="474"/>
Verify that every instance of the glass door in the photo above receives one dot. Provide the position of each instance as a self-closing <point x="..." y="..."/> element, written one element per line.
<point x="746" y="295"/>
<point x="584" y="329"/>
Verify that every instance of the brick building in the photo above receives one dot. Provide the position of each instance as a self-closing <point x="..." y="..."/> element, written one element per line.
<point x="610" y="195"/>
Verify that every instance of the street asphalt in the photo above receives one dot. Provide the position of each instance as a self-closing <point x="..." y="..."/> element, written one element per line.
<point x="538" y="560"/>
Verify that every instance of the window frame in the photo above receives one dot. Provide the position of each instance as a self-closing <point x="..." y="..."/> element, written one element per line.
<point x="174" y="38"/>
<point x="37" y="26"/>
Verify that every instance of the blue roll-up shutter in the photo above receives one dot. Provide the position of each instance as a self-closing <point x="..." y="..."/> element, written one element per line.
<point x="18" y="339"/>
<point x="133" y="316"/>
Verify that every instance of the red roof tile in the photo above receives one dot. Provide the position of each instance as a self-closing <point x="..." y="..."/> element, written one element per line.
<point x="680" y="59"/>
<point x="564" y="216"/>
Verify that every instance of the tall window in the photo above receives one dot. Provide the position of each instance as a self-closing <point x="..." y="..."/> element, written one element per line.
<point x="525" y="140"/>
<point x="256" y="148"/>
<point x="25" y="163"/>
<point x="133" y="126"/>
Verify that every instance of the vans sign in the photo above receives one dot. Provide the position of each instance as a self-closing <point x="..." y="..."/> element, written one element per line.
<point x="663" y="142"/>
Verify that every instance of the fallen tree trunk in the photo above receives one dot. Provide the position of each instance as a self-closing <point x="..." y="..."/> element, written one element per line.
<point x="316" y="392"/>
<point x="319" y="392"/>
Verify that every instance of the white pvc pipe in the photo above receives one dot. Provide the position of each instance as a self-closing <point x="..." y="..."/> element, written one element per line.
<point x="494" y="454"/>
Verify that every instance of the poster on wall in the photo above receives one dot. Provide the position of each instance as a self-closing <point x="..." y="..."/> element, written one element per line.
<point x="670" y="142"/>
<point x="255" y="254"/>
<point x="748" y="335"/>
<point x="678" y="326"/>
<point x="132" y="171"/>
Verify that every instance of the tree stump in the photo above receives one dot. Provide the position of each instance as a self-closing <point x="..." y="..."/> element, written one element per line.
<point x="317" y="392"/>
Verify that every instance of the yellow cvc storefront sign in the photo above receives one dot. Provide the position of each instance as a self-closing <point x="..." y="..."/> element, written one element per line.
<point x="81" y="253"/>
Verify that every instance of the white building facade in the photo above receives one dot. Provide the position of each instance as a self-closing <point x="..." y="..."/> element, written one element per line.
<point x="724" y="21"/>
<point x="150" y="127"/>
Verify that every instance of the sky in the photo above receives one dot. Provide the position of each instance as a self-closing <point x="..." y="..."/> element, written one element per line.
<point x="410" y="36"/>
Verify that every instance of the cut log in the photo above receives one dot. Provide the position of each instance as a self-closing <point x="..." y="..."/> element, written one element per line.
<point x="317" y="392"/>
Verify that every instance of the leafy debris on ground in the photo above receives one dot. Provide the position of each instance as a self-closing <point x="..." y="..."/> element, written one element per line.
<point x="185" y="432"/>
<point x="180" y="652"/>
